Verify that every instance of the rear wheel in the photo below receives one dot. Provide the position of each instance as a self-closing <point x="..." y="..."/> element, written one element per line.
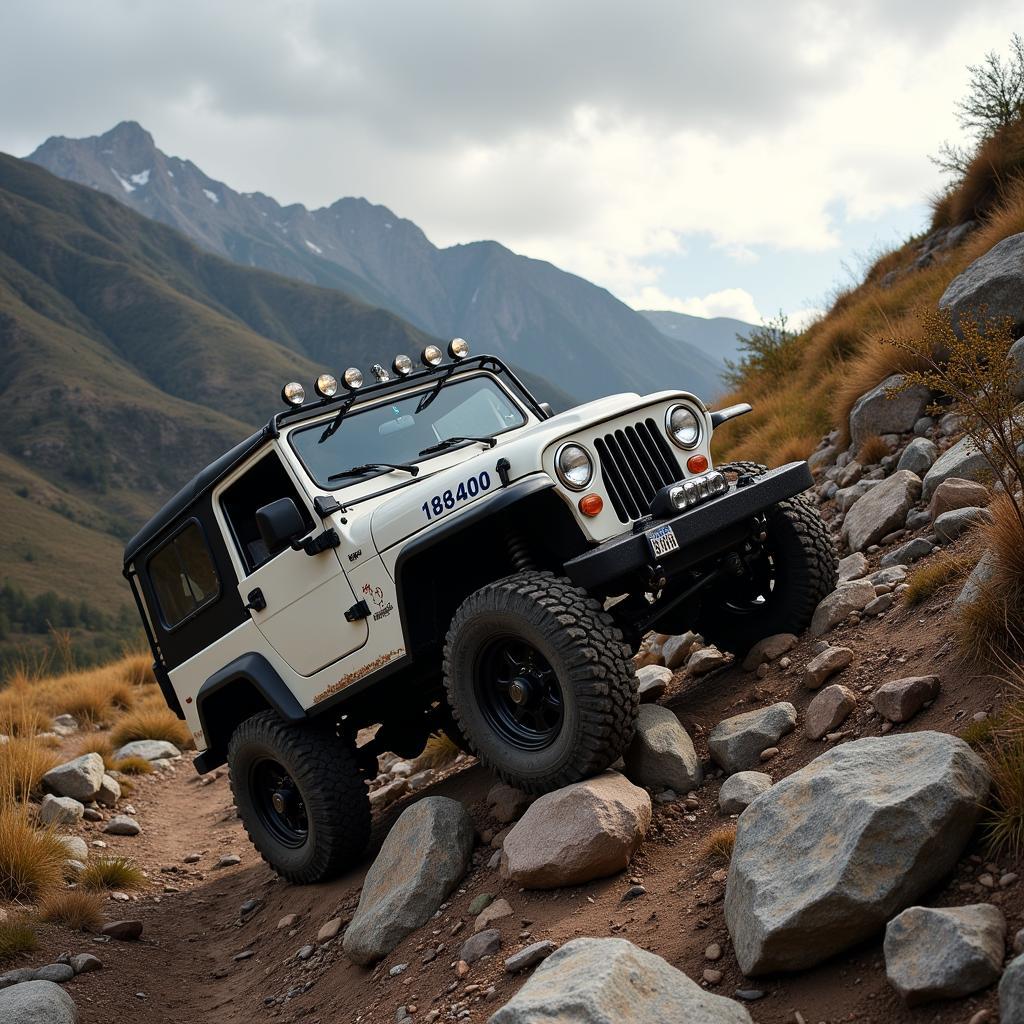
<point x="300" y="796"/>
<point x="540" y="681"/>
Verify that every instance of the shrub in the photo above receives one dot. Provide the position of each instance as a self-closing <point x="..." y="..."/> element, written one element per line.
<point x="111" y="873"/>
<point x="133" y="765"/>
<point x="31" y="860"/>
<point x="872" y="451"/>
<point x="77" y="909"/>
<point x="151" y="723"/>
<point x="717" y="846"/>
<point x="98" y="743"/>
<point x="16" y="936"/>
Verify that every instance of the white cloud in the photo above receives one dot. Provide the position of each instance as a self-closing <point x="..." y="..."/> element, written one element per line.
<point x="734" y="302"/>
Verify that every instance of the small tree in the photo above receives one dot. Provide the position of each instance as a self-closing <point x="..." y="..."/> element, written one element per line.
<point x="767" y="351"/>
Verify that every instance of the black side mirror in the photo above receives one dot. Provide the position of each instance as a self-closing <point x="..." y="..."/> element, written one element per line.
<point x="279" y="524"/>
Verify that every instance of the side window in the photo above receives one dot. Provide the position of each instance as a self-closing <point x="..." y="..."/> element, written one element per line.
<point x="265" y="482"/>
<point x="183" y="575"/>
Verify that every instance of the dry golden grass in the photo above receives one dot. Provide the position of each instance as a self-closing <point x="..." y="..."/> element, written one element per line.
<point x="439" y="751"/>
<point x="133" y="765"/>
<point x="1005" y="825"/>
<point x="31" y="860"/>
<point x="98" y="743"/>
<point x="77" y="909"/>
<point x="872" y="450"/>
<point x="16" y="936"/>
<point x="23" y="763"/>
<point x="717" y="846"/>
<point x="930" y="577"/>
<point x="111" y="873"/>
<point x="151" y="722"/>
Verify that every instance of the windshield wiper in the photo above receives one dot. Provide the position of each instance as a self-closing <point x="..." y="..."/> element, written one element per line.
<point x="450" y="442"/>
<point x="367" y="467"/>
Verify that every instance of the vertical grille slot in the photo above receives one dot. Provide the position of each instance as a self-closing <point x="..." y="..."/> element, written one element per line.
<point x="636" y="462"/>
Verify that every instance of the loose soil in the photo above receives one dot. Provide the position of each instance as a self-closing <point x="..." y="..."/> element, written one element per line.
<point x="184" y="968"/>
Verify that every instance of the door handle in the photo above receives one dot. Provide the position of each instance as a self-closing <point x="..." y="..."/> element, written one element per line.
<point x="257" y="602"/>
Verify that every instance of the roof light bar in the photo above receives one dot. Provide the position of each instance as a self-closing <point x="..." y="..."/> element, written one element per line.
<point x="431" y="356"/>
<point x="293" y="393"/>
<point x="402" y="366"/>
<point x="326" y="385"/>
<point x="458" y="348"/>
<point x="352" y="378"/>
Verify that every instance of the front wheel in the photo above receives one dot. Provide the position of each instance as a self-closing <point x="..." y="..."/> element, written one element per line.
<point x="540" y="681"/>
<point x="300" y="796"/>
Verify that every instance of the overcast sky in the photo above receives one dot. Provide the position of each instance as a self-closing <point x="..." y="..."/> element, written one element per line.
<point x="719" y="159"/>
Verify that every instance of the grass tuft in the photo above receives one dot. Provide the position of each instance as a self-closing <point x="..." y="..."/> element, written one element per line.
<point x="439" y="751"/>
<point x="151" y="722"/>
<point x="77" y="909"/>
<point x="31" y="860"/>
<point x="111" y="873"/>
<point x="930" y="577"/>
<point x="717" y="847"/>
<point x="1005" y="825"/>
<point x="16" y="936"/>
<point x="133" y="765"/>
<point x="872" y="451"/>
<point x="24" y="760"/>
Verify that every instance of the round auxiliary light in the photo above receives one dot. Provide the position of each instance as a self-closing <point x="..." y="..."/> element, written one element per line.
<point x="402" y="366"/>
<point x="458" y="348"/>
<point x="574" y="466"/>
<point x="431" y="356"/>
<point x="682" y="426"/>
<point x="293" y="393"/>
<point x="591" y="504"/>
<point x="352" y="378"/>
<point x="697" y="463"/>
<point x="326" y="385"/>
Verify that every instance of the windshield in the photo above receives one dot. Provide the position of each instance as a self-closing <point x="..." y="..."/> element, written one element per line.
<point x="394" y="431"/>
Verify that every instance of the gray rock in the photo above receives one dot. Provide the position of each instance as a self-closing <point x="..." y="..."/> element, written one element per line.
<point x="963" y="461"/>
<point x="881" y="604"/>
<point x="17" y="976"/>
<point x="123" y="931"/>
<point x="652" y="681"/>
<point x="85" y="963"/>
<point x="880" y="411"/>
<point x="900" y="699"/>
<point x="849" y="474"/>
<point x="423" y="858"/>
<point x="826" y="664"/>
<point x="918" y="456"/>
<point x="60" y="810"/>
<point x="611" y="981"/>
<point x="993" y="285"/>
<point x="122" y="825"/>
<point x="955" y="492"/>
<point x="923" y="425"/>
<point x="65" y="725"/>
<point x="75" y="846"/>
<point x="1011" y="993"/>
<point x="742" y="789"/>
<point x="37" y="1002"/>
<point x="57" y="973"/>
<point x="957" y="521"/>
<point x="829" y="709"/>
<point x="881" y="511"/>
<point x="506" y="803"/>
<point x="706" y="660"/>
<point x="530" y="956"/>
<point x="852" y="567"/>
<point x="1016" y="356"/>
<point x="863" y="831"/>
<point x="676" y="649"/>
<point x="845" y="599"/>
<point x="768" y="649"/>
<point x="79" y="779"/>
<point x="944" y="952"/>
<point x="889" y="576"/>
<point x="662" y="753"/>
<point x="484" y="943"/>
<point x="110" y="792"/>
<point x="980" y="575"/>
<point x="846" y="498"/>
<point x="736" y="744"/>
<point x="150" y="750"/>
<point x="908" y="553"/>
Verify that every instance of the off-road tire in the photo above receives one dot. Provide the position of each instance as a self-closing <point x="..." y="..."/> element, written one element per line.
<point x="807" y="568"/>
<point x="590" y="659"/>
<point x="323" y="768"/>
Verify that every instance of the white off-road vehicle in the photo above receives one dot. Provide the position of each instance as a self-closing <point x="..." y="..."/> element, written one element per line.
<point x="438" y="550"/>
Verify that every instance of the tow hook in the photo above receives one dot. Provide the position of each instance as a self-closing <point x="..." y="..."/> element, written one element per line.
<point x="656" y="578"/>
<point x="760" y="528"/>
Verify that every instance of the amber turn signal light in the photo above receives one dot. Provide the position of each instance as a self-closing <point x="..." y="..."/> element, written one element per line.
<point x="697" y="463"/>
<point x="591" y="504"/>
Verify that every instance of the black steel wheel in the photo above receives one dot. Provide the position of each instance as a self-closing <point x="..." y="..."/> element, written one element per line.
<point x="300" y="795"/>
<point x="539" y="681"/>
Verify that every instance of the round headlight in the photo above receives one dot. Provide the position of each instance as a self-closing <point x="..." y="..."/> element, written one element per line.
<point x="431" y="356"/>
<point x="574" y="466"/>
<point x="458" y="348"/>
<point x="326" y="385"/>
<point x="293" y="393"/>
<point x="402" y="366"/>
<point x="682" y="426"/>
<point x="352" y="378"/>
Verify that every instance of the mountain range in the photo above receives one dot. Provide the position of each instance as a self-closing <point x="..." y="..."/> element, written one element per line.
<point x="560" y="327"/>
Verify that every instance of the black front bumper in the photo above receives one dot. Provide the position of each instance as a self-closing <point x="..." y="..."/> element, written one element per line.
<point x="701" y="531"/>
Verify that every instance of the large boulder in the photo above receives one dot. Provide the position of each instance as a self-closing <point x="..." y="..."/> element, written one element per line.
<point x="883" y="411"/>
<point x="584" y="831"/>
<point x="661" y="754"/>
<point x="918" y="456"/>
<point x="149" y="750"/>
<point x="1011" y="993"/>
<point x="993" y="285"/>
<point x="736" y="743"/>
<point x="827" y="856"/>
<point x="944" y="952"/>
<point x="963" y="460"/>
<point x="423" y="858"/>
<point x="955" y="493"/>
<point x="883" y="509"/>
<point x="844" y="600"/>
<point x="611" y="981"/>
<point x="79" y="779"/>
<point x="37" y="1002"/>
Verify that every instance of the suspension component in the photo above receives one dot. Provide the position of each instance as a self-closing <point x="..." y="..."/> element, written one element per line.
<point x="518" y="551"/>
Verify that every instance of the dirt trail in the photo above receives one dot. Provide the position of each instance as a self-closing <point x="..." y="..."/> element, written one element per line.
<point x="185" y="964"/>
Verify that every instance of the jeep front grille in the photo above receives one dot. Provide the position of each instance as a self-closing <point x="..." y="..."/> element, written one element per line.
<point x="636" y="462"/>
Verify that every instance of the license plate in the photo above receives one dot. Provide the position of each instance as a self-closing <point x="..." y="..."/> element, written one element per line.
<point x="662" y="541"/>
